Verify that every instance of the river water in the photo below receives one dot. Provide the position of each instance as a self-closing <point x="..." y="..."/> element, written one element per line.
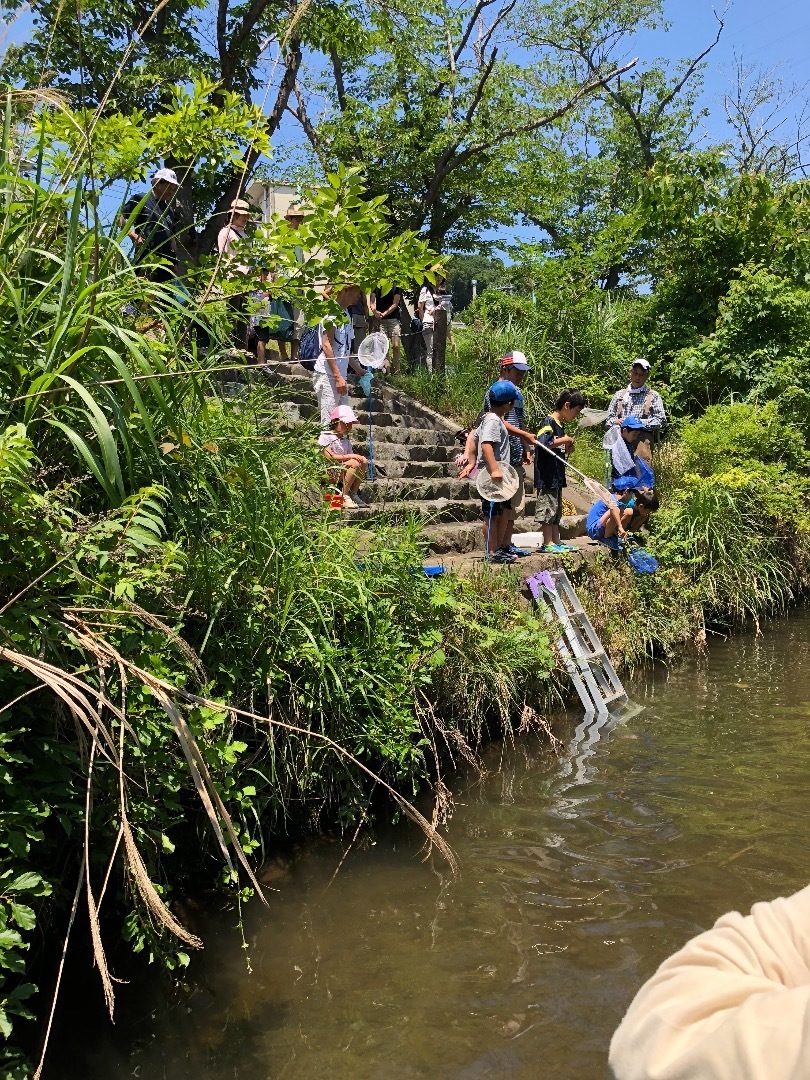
<point x="577" y="878"/>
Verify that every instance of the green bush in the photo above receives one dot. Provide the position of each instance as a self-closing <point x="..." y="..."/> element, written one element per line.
<point x="739" y="434"/>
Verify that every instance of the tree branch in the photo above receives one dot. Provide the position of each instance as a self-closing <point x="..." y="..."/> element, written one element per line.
<point x="337" y="68"/>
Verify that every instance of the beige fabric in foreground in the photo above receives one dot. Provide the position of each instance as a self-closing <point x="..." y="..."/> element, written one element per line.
<point x="733" y="1004"/>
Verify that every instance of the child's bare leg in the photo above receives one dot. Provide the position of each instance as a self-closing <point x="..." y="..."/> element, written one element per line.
<point x="548" y="534"/>
<point x="261" y="352"/>
<point x="282" y="350"/>
<point x="609" y="523"/>
<point x="355" y="474"/>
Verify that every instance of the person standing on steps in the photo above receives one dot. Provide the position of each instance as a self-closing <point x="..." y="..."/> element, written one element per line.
<point x="493" y="451"/>
<point x="549" y="468"/>
<point x="152" y="228"/>
<point x="228" y="239"/>
<point x="294" y="218"/>
<point x="335" y="337"/>
<point x="637" y="399"/>
<point x="514" y="369"/>
<point x="385" y="310"/>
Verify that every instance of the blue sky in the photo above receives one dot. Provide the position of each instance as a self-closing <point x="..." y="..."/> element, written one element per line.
<point x="774" y="37"/>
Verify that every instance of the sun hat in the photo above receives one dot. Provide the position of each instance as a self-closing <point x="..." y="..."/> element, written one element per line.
<point x="295" y="209"/>
<point x="517" y="360"/>
<point x="169" y="175"/>
<point x="240" y="206"/>
<point x="633" y="423"/>
<point x="344" y="413"/>
<point x="642" y="363"/>
<point x="502" y="391"/>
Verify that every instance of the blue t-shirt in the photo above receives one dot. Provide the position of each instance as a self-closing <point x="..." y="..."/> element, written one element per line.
<point x="594" y="515"/>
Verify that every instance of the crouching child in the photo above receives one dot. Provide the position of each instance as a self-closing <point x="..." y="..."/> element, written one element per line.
<point x="347" y="469"/>
<point x="493" y="453"/>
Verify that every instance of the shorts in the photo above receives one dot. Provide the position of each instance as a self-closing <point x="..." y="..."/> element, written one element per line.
<point x="392" y="329"/>
<point x="259" y="333"/>
<point x="299" y="324"/>
<point x="596" y="532"/>
<point x="328" y="397"/>
<point x="517" y="504"/>
<point x="494" y="509"/>
<point x="548" y="508"/>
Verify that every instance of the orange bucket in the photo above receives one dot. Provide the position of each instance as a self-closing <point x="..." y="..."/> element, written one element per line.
<point x="334" y="502"/>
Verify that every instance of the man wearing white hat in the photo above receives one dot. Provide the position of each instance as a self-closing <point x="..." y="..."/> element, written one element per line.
<point x="640" y="401"/>
<point x="152" y="228"/>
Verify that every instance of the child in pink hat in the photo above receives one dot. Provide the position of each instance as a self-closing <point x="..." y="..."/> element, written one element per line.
<point x="348" y="468"/>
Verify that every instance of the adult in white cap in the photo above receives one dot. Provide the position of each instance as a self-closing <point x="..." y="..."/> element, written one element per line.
<point x="732" y="1004"/>
<point x="152" y="227"/>
<point x="347" y="469"/>
<point x="637" y="399"/>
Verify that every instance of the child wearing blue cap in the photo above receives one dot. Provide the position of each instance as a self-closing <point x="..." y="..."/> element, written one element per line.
<point x="634" y="508"/>
<point x="493" y="450"/>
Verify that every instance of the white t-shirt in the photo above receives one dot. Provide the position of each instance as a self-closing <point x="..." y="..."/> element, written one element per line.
<point x="342" y="346"/>
<point x="338" y="444"/>
<point x="225" y="241"/>
<point x="426" y="298"/>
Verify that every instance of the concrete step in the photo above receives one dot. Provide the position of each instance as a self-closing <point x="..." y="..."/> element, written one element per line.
<point x="463" y="536"/>
<point x="434" y="511"/>
<point x="392" y="469"/>
<point x="405" y="452"/>
<point x="404" y="436"/>
<point x="412" y="488"/>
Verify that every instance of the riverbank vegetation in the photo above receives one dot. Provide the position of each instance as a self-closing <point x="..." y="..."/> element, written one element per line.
<point x="195" y="659"/>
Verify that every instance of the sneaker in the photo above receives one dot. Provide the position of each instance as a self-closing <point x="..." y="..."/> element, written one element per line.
<point x="502" y="556"/>
<point x="520" y="553"/>
<point x="349" y="503"/>
<point x="554" y="549"/>
<point x="359" y="502"/>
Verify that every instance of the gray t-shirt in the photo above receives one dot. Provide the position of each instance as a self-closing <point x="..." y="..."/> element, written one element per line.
<point x="493" y="430"/>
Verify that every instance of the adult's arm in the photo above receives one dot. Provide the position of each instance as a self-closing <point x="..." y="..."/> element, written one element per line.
<point x="613" y="409"/>
<point x="733" y="1004"/>
<point x="394" y="309"/>
<point x="328" y="349"/>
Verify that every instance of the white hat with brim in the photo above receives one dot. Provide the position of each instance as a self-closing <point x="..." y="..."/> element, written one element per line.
<point x="642" y="363"/>
<point x="239" y="206"/>
<point x="497" y="490"/>
<point x="169" y="175"/>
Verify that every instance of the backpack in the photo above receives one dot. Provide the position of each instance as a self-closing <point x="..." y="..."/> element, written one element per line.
<point x="309" y="347"/>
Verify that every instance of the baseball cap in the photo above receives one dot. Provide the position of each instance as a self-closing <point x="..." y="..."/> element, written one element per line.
<point x="169" y="175"/>
<point x="632" y="422"/>
<point x="626" y="483"/>
<point x="517" y="360"/>
<point x="240" y="206"/>
<point x="344" y="413"/>
<point x="502" y="391"/>
<point x="641" y="362"/>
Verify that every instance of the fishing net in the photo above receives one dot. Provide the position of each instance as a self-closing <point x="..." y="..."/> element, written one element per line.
<point x="373" y="350"/>
<point x="497" y="490"/>
<point x="642" y="561"/>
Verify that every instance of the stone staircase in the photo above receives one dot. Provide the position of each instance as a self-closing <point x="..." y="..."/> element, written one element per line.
<point x="413" y="449"/>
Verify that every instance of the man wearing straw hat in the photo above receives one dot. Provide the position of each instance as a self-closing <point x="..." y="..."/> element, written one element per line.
<point x="228" y="238"/>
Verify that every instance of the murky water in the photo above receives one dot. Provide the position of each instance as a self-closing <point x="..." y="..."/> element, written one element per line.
<point x="577" y="879"/>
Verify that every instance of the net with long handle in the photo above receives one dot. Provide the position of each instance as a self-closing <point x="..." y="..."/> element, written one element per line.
<point x="596" y="489"/>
